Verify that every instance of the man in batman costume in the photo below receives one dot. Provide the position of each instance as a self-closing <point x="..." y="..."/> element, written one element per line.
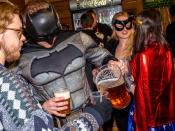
<point x="53" y="59"/>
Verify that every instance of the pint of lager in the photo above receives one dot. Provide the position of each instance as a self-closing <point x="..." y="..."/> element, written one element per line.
<point x="109" y="78"/>
<point x="119" y="95"/>
<point x="66" y="94"/>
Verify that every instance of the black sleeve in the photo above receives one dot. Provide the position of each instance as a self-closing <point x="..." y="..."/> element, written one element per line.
<point x="105" y="29"/>
<point x="108" y="30"/>
<point x="111" y="46"/>
<point x="108" y="58"/>
<point x="170" y="31"/>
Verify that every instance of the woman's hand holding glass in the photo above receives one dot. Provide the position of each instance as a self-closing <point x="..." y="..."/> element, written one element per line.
<point x="119" y="64"/>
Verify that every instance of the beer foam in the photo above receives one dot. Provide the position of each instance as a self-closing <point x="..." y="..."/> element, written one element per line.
<point x="110" y="82"/>
<point x="107" y="82"/>
<point x="64" y="93"/>
<point x="107" y="74"/>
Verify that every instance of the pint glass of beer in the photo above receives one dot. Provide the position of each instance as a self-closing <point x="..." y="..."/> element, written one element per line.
<point x="118" y="95"/>
<point x="66" y="94"/>
<point x="109" y="78"/>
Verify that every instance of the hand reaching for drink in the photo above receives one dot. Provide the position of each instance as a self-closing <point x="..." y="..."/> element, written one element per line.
<point x="121" y="64"/>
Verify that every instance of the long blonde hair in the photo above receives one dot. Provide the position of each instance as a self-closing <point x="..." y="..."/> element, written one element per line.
<point x="129" y="45"/>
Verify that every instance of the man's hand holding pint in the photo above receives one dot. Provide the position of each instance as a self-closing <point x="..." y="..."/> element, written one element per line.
<point x="55" y="105"/>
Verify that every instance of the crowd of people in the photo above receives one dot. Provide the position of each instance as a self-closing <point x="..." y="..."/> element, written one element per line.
<point x="53" y="59"/>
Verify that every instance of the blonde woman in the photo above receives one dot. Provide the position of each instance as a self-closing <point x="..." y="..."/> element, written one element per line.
<point x="121" y="46"/>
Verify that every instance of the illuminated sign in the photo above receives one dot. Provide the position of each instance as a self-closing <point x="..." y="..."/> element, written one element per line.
<point x="85" y="4"/>
<point x="156" y="3"/>
<point x="93" y="3"/>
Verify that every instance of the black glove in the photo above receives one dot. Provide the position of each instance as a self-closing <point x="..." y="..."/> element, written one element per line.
<point x="104" y="109"/>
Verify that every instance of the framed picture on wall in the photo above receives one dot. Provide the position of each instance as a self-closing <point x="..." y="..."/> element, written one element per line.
<point x="156" y="3"/>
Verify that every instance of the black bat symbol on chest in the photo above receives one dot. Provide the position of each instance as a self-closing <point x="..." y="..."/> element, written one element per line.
<point x="56" y="61"/>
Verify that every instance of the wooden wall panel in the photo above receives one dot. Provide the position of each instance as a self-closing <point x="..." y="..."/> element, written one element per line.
<point x="61" y="5"/>
<point x="64" y="14"/>
<point x="63" y="10"/>
<point x="139" y="4"/>
<point x="133" y="6"/>
<point x="19" y="3"/>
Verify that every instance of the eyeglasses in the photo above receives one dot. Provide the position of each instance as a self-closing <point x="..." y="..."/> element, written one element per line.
<point x="19" y="31"/>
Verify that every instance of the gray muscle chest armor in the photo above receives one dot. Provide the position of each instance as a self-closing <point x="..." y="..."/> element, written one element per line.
<point x="72" y="74"/>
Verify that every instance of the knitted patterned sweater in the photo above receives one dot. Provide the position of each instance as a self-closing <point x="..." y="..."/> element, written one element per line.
<point x="20" y="111"/>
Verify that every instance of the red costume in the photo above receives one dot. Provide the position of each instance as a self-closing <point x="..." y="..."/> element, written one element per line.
<point x="154" y="95"/>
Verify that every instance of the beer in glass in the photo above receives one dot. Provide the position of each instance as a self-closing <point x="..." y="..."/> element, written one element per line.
<point x="109" y="78"/>
<point x="66" y="94"/>
<point x="118" y="95"/>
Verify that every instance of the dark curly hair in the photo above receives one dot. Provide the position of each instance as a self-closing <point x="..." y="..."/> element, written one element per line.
<point x="86" y="20"/>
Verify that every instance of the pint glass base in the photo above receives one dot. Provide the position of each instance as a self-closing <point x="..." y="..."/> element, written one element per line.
<point x="119" y="96"/>
<point x="67" y="111"/>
